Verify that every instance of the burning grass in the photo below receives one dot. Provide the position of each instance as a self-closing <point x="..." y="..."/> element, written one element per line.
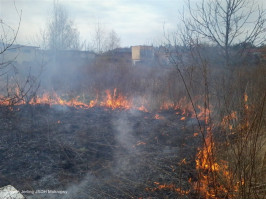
<point x="125" y="134"/>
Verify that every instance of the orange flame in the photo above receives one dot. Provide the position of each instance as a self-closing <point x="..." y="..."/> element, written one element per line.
<point x="170" y="187"/>
<point x="208" y="166"/>
<point x="157" y="116"/>
<point x="112" y="99"/>
<point x="115" y="101"/>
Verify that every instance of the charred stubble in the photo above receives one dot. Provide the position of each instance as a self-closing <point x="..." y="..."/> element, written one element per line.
<point x="96" y="153"/>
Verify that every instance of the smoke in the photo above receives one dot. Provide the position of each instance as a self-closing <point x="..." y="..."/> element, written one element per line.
<point x="73" y="191"/>
<point x="127" y="159"/>
<point x="81" y="190"/>
<point x="62" y="74"/>
<point x="124" y="132"/>
<point x="61" y="108"/>
<point x="68" y="76"/>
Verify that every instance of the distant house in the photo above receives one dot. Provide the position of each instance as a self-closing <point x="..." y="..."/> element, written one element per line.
<point x="260" y="53"/>
<point x="162" y="56"/>
<point x="142" y="54"/>
<point x="123" y="52"/>
<point x="20" y="54"/>
<point x="76" y="56"/>
<point x="117" y="55"/>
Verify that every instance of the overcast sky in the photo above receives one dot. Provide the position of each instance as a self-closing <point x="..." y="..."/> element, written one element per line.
<point x="135" y="21"/>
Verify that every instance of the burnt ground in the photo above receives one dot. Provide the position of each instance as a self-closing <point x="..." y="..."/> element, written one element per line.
<point x="96" y="153"/>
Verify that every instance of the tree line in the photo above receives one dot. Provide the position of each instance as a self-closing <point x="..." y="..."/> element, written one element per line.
<point x="61" y="33"/>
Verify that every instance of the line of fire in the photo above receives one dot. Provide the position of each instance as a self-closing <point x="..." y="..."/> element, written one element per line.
<point x="183" y="119"/>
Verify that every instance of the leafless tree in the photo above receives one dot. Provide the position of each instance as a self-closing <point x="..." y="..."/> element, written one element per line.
<point x="99" y="38"/>
<point x="113" y="41"/>
<point x="15" y="87"/>
<point x="8" y="36"/>
<point x="61" y="32"/>
<point x="227" y="22"/>
<point x="212" y="30"/>
<point x="104" y="41"/>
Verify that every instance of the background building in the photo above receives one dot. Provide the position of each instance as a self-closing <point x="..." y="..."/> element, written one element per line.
<point x="142" y="54"/>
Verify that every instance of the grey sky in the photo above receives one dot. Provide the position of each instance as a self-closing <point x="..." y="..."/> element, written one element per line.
<point x="136" y="22"/>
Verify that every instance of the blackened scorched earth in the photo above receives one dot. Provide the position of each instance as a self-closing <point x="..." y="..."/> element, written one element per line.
<point x="96" y="153"/>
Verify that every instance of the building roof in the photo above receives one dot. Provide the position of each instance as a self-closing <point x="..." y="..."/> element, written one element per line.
<point x="16" y="46"/>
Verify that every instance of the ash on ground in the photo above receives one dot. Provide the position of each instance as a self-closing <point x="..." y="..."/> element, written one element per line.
<point x="96" y="153"/>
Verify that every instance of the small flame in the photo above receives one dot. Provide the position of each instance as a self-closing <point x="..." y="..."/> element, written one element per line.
<point x="142" y="108"/>
<point x="157" y="116"/>
<point x="115" y="101"/>
<point x="170" y="187"/>
<point x="141" y="143"/>
<point x="245" y="97"/>
<point x="183" y="118"/>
